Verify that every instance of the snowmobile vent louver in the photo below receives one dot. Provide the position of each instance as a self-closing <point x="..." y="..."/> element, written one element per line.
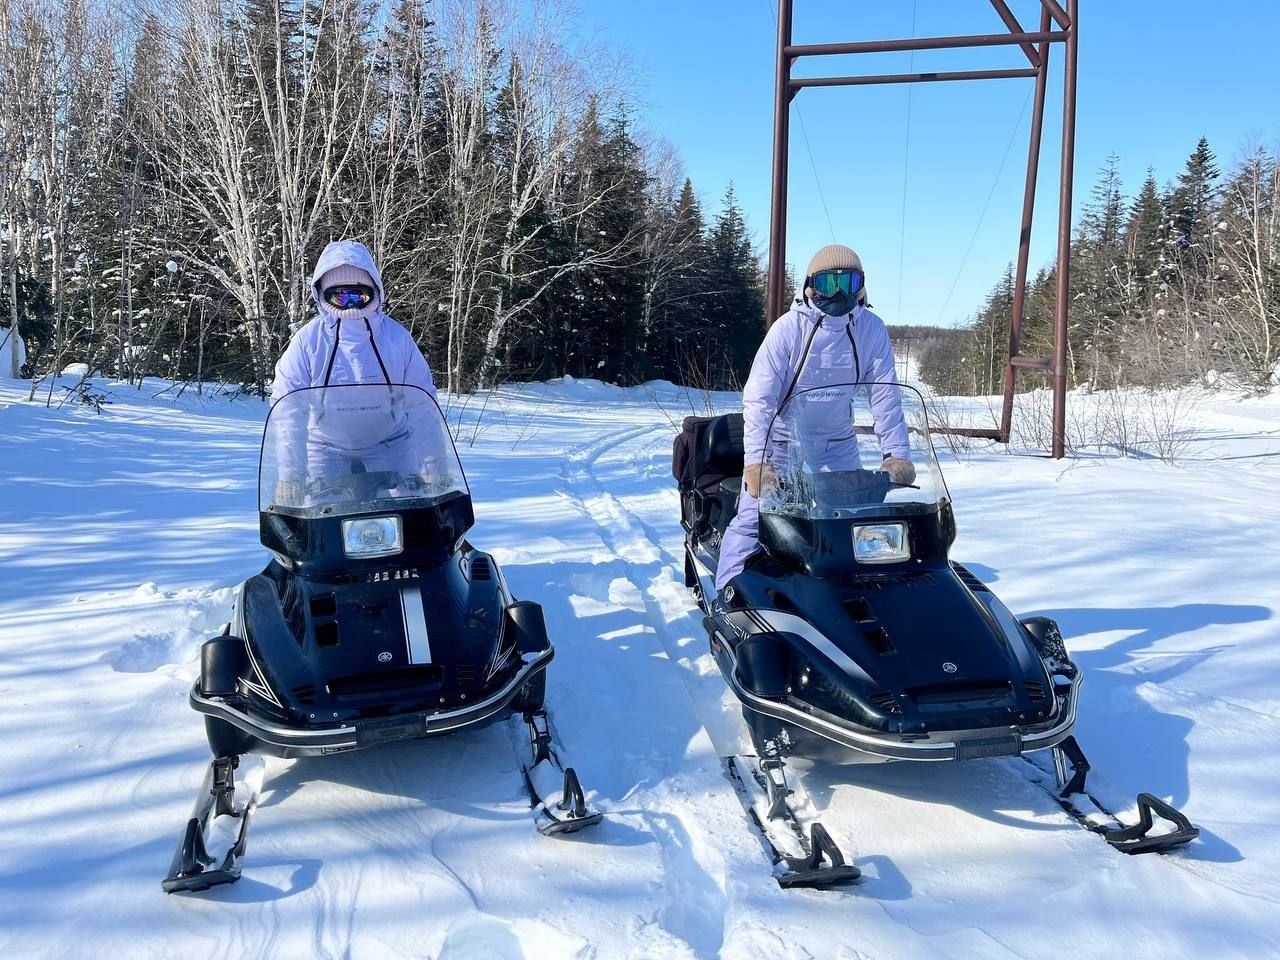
<point x="887" y="702"/>
<point x="324" y="605"/>
<point x="859" y="609"/>
<point x="879" y="641"/>
<point x="969" y="580"/>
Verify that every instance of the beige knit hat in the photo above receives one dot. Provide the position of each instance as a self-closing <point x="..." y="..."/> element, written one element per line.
<point x="835" y="256"/>
<point x="346" y="273"/>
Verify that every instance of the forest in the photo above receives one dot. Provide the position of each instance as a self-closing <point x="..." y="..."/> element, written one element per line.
<point x="168" y="176"/>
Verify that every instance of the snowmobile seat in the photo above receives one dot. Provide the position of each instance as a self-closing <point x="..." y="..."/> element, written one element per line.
<point x="706" y="461"/>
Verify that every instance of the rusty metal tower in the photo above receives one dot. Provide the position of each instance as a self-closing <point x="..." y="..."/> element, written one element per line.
<point x="1036" y="47"/>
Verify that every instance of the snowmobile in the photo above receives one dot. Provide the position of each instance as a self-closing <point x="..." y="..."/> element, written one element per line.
<point x="374" y="621"/>
<point x="852" y="626"/>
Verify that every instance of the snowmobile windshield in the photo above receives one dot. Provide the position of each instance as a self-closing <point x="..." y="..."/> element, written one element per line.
<point x="357" y="448"/>
<point x="825" y="454"/>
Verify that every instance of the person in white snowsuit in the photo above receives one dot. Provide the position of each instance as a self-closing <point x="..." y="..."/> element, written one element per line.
<point x="828" y="337"/>
<point x="350" y="341"/>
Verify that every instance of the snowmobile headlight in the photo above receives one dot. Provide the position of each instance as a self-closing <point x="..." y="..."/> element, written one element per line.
<point x="881" y="543"/>
<point x="372" y="537"/>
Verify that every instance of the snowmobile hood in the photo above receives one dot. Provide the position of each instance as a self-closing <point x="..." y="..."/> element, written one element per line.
<point x="349" y="253"/>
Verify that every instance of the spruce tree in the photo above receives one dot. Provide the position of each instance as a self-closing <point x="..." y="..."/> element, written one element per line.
<point x="1191" y="206"/>
<point x="1097" y="287"/>
<point x="737" y="307"/>
<point x="1142" y="240"/>
<point x="989" y="346"/>
<point x="678" y="328"/>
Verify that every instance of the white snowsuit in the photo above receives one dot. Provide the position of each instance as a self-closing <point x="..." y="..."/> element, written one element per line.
<point x="331" y="351"/>
<point x="841" y="350"/>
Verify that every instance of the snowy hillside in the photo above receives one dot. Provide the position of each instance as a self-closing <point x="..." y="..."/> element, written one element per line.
<point x="122" y="534"/>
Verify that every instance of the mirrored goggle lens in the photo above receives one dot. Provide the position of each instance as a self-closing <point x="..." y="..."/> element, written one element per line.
<point x="829" y="282"/>
<point x="349" y="295"/>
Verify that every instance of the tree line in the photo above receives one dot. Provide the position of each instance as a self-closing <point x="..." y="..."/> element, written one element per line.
<point x="169" y="173"/>
<point x="1174" y="285"/>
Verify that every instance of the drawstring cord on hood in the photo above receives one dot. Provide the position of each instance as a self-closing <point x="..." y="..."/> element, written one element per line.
<point x="857" y="362"/>
<point x="374" y="343"/>
<point x="333" y="354"/>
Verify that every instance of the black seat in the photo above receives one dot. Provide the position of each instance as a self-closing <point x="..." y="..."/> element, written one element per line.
<point x="707" y="462"/>
<point x="725" y="445"/>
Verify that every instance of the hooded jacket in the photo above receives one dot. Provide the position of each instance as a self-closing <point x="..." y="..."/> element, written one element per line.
<point x="826" y="351"/>
<point x="329" y="351"/>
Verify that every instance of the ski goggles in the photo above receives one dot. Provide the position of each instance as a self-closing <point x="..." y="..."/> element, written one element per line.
<point x="347" y="296"/>
<point x="827" y="283"/>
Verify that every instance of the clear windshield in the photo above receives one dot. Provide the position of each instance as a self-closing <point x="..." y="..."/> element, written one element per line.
<point x="824" y="457"/>
<point x="355" y="449"/>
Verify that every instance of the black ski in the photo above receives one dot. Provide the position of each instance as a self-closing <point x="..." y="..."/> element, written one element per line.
<point x="194" y="867"/>
<point x="1066" y="784"/>
<point x="800" y="857"/>
<point x="556" y="796"/>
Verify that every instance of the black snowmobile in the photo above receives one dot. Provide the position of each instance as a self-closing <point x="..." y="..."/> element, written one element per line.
<point x="852" y="625"/>
<point x="375" y="620"/>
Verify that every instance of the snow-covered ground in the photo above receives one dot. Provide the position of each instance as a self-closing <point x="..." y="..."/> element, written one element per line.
<point x="121" y="534"/>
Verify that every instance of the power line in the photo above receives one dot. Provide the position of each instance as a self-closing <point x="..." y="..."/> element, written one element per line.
<point x="994" y="183"/>
<point x="816" y="179"/>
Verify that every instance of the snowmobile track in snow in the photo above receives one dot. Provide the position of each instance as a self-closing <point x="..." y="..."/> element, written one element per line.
<point x="694" y="893"/>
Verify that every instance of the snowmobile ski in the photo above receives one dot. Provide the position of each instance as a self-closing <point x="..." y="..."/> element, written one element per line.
<point x="556" y="796"/>
<point x="1071" y="768"/>
<point x="802" y="851"/>
<point x="194" y="867"/>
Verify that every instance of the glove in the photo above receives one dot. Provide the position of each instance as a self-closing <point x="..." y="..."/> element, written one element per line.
<point x="899" y="470"/>
<point x="289" y="493"/>
<point x="759" y="478"/>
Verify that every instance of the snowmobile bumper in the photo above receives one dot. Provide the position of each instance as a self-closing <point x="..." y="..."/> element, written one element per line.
<point x="289" y="741"/>
<point x="944" y="745"/>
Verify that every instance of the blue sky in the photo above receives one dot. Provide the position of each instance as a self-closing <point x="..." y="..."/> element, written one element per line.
<point x="1153" y="78"/>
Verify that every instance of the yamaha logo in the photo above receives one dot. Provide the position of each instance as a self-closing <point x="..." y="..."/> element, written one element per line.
<point x="385" y="657"/>
<point x="949" y="667"/>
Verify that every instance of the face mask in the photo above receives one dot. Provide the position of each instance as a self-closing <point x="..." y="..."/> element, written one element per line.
<point x="836" y="305"/>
